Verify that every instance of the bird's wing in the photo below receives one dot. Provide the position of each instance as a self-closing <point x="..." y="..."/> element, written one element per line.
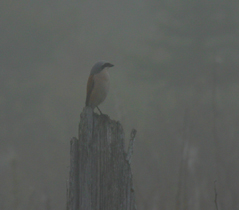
<point x="90" y="86"/>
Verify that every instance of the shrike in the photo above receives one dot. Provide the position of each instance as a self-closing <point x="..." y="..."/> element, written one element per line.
<point x="98" y="84"/>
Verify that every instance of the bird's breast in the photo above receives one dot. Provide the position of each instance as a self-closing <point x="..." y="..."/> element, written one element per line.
<point x="102" y="80"/>
<point x="103" y="76"/>
<point x="101" y="88"/>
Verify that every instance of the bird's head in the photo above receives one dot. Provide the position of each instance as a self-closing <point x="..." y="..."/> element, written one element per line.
<point x="99" y="66"/>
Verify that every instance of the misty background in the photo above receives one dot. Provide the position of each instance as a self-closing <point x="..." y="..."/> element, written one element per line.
<point x="175" y="80"/>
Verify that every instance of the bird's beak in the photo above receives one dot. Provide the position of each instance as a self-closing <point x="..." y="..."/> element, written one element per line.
<point x="110" y="65"/>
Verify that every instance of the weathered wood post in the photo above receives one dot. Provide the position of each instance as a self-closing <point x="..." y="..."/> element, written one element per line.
<point x="100" y="173"/>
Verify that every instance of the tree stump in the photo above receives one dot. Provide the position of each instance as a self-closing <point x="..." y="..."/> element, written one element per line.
<point x="100" y="173"/>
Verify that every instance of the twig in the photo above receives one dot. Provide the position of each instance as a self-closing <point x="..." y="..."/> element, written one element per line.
<point x="215" y="191"/>
<point x="182" y="166"/>
<point x="67" y="195"/>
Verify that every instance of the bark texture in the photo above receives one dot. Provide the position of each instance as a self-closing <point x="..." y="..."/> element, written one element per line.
<point x="104" y="178"/>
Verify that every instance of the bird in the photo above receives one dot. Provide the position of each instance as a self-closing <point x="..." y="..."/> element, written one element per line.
<point x="98" y="84"/>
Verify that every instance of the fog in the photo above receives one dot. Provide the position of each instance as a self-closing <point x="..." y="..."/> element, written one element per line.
<point x="175" y="80"/>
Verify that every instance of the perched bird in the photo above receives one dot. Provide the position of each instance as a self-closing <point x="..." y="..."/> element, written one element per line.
<point x="98" y="84"/>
